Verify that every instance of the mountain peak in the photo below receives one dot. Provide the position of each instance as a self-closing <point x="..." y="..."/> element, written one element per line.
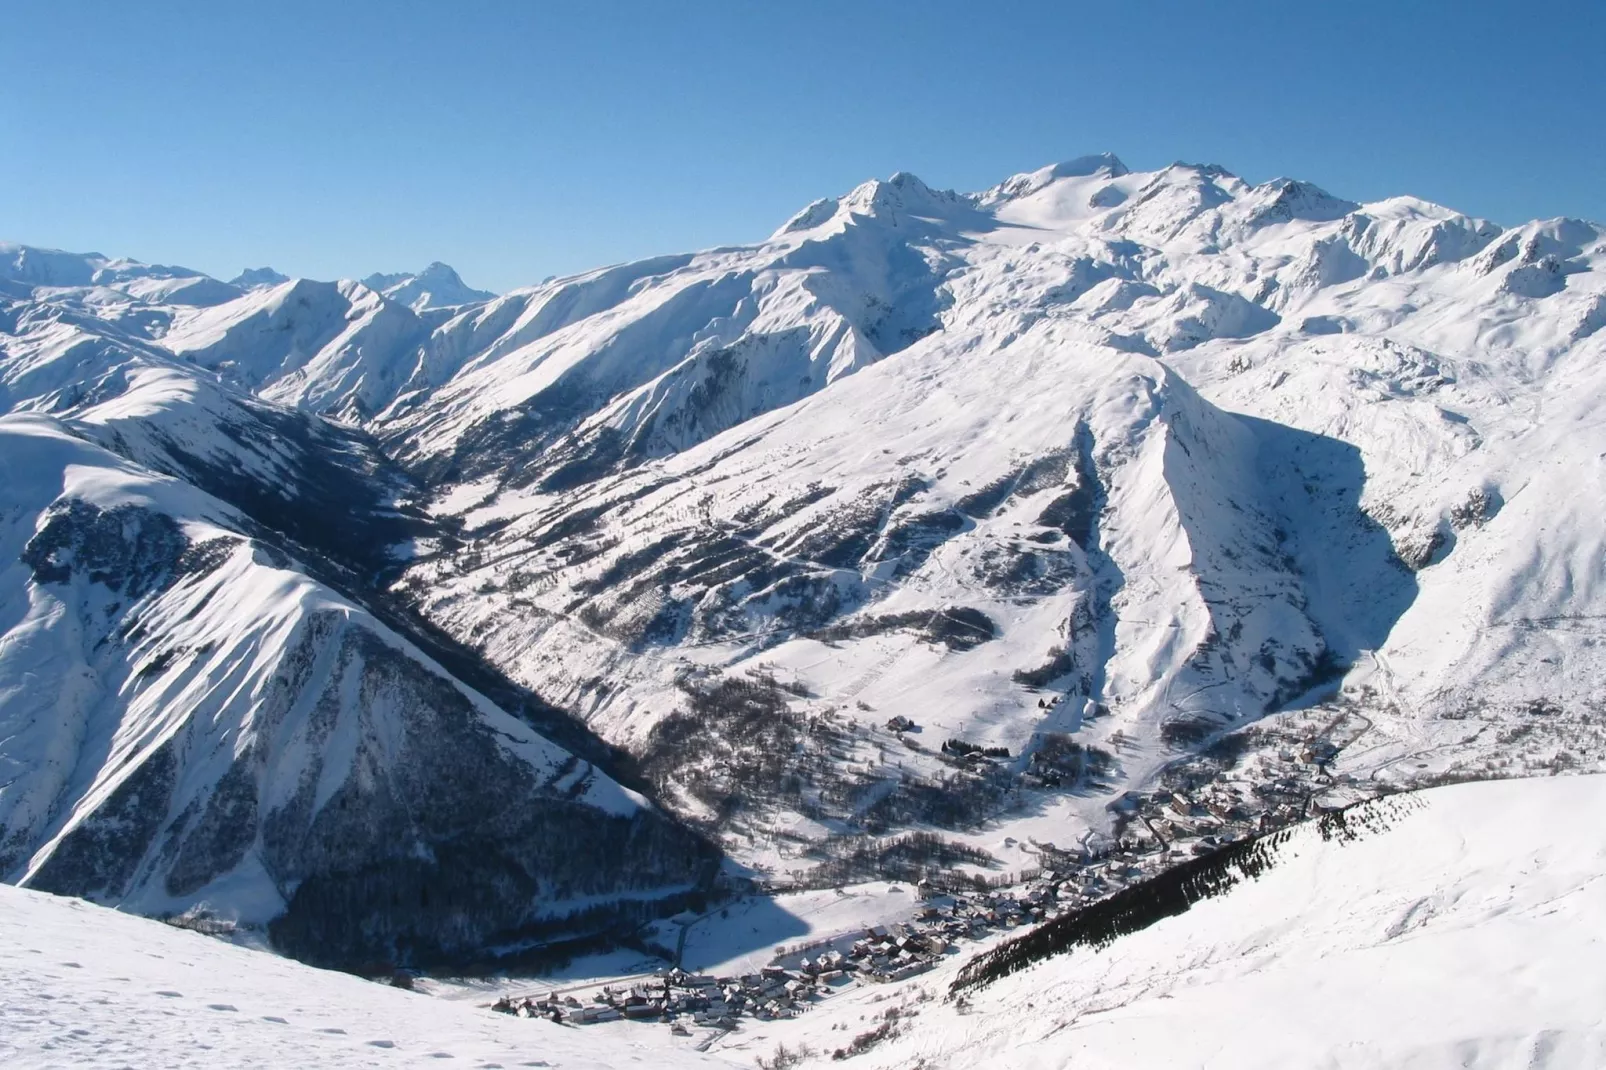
<point x="1097" y="165"/>
<point x="1285" y="199"/>
<point x="438" y="285"/>
<point x="1107" y="163"/>
<point x="251" y="278"/>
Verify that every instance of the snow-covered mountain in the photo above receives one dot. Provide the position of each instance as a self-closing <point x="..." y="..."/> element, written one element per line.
<point x="194" y="723"/>
<point x="24" y="269"/>
<point x="209" y="706"/>
<point x="1086" y="470"/>
<point x="1166" y="451"/>
<point x="251" y="278"/>
<point x="437" y="286"/>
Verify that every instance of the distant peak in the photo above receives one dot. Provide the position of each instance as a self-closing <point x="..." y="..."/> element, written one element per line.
<point x="251" y="278"/>
<point x="1285" y="199"/>
<point x="903" y="191"/>
<point x="1101" y="164"/>
<point x="438" y="285"/>
<point x="907" y="180"/>
<point x="1105" y="163"/>
<point x="1209" y="170"/>
<point x="437" y="270"/>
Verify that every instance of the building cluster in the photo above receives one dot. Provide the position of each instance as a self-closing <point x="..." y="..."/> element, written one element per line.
<point x="804" y="975"/>
<point x="681" y="999"/>
<point x="1199" y="806"/>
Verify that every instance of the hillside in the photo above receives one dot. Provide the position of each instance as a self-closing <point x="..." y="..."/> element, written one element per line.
<point x="1456" y="927"/>
<point x="89" y="987"/>
<point x="1461" y="927"/>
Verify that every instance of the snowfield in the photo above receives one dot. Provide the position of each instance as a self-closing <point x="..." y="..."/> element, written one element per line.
<point x="1467" y="932"/>
<point x="1470" y="933"/>
<point x="83" y="986"/>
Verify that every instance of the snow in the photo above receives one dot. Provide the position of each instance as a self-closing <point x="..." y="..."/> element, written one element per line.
<point x="1225" y="347"/>
<point x="85" y="986"/>
<point x="1467" y="931"/>
<point x="1469" y="934"/>
<point x="742" y="937"/>
<point x="437" y="286"/>
<point x="1312" y="434"/>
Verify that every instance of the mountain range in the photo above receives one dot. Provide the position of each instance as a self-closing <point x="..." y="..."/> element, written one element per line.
<point x="971" y="514"/>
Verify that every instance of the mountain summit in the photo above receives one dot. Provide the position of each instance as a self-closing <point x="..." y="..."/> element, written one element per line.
<point x="437" y="286"/>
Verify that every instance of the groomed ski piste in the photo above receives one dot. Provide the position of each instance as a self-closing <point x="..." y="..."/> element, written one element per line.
<point x="1461" y="926"/>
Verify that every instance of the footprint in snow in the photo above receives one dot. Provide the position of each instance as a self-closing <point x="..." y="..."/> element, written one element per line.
<point x="333" y="1030"/>
<point x="275" y="1019"/>
<point x="441" y="1055"/>
<point x="170" y="994"/>
<point x="381" y="1043"/>
<point x="74" y="965"/>
<point x="221" y="1007"/>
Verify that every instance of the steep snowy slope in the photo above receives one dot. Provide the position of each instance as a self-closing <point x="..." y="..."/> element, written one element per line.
<point x="191" y="723"/>
<point x="1462" y="928"/>
<point x="84" y="986"/>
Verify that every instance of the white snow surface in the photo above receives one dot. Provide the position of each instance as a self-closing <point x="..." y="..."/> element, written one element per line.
<point x="85" y="986"/>
<point x="1467" y="933"/>
<point x="1471" y="933"/>
<point x="1191" y="444"/>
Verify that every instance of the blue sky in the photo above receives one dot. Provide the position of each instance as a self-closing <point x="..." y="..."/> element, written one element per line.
<point x="520" y="139"/>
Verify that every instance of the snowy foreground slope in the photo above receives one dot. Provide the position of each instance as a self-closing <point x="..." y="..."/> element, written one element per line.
<point x="1467" y="932"/>
<point x="1471" y="932"/>
<point x="83" y="986"/>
